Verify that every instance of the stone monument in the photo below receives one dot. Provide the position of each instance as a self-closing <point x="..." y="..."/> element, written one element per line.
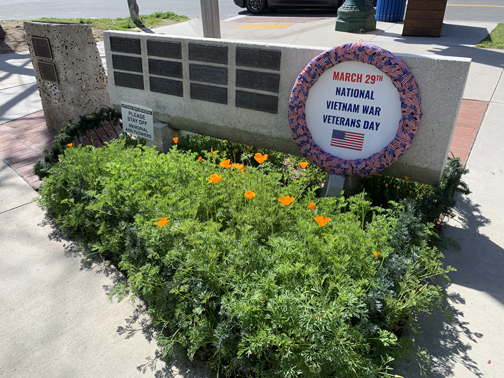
<point x="68" y="69"/>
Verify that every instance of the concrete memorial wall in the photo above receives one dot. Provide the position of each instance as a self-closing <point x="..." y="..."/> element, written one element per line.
<point x="240" y="91"/>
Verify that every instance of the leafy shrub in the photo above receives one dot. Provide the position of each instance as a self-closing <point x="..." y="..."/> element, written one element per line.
<point x="72" y="131"/>
<point x="254" y="286"/>
<point x="432" y="202"/>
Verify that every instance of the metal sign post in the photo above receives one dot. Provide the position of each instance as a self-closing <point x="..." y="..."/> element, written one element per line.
<point x="210" y="17"/>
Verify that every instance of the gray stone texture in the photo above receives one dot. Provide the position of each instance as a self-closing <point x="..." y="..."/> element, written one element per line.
<point x="441" y="81"/>
<point x="82" y="84"/>
<point x="163" y="137"/>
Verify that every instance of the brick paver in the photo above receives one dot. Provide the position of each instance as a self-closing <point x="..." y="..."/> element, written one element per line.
<point x="468" y="123"/>
<point x="22" y="142"/>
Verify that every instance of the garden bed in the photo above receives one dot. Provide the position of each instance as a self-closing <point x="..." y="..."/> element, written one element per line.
<point x="244" y="266"/>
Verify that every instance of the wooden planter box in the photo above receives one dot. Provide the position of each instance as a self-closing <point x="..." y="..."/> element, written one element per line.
<point x="424" y="18"/>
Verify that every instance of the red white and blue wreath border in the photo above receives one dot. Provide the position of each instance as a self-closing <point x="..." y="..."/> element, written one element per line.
<point x="402" y="79"/>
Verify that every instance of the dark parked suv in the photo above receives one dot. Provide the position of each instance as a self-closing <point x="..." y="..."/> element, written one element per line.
<point x="259" y="6"/>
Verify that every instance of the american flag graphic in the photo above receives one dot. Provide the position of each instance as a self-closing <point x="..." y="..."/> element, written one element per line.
<point x="347" y="139"/>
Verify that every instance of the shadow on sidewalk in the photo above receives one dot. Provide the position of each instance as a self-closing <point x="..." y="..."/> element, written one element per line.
<point x="479" y="264"/>
<point x="480" y="261"/>
<point x="455" y="40"/>
<point x="139" y="322"/>
<point x="442" y="338"/>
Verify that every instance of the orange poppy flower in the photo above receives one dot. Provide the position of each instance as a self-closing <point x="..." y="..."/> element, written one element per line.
<point x="175" y="140"/>
<point x="286" y="200"/>
<point x="226" y="163"/>
<point x="70" y="145"/>
<point x="200" y="159"/>
<point x="213" y="153"/>
<point x="249" y="194"/>
<point x="311" y="206"/>
<point x="238" y="166"/>
<point x="303" y="164"/>
<point x="162" y="222"/>
<point x="260" y="158"/>
<point x="376" y="254"/>
<point x="322" y="220"/>
<point x="215" y="178"/>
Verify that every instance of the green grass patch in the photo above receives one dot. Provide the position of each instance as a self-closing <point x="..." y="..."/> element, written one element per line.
<point x="495" y="40"/>
<point x="124" y="24"/>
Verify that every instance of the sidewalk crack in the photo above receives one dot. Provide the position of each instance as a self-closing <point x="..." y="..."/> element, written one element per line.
<point x="497" y="85"/>
<point x="14" y="208"/>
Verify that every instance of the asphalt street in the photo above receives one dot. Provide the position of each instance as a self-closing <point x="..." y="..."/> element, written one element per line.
<point x="32" y="9"/>
<point x="464" y="10"/>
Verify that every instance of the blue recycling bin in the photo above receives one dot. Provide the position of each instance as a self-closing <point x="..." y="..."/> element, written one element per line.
<point x="390" y="10"/>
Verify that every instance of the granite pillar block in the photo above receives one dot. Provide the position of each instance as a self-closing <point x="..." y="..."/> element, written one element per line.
<point x="68" y="69"/>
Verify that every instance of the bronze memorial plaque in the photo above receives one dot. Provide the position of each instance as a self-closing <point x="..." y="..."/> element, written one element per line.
<point x="263" y="81"/>
<point x="125" y="45"/>
<point x="41" y="47"/>
<point x="165" y="68"/>
<point x="208" y="93"/>
<point x="257" y="58"/>
<point x="48" y="72"/>
<point x="164" y="49"/>
<point x="208" y="74"/>
<point x="257" y="101"/>
<point x="128" y="80"/>
<point x="166" y="86"/>
<point x="208" y="53"/>
<point x="127" y="63"/>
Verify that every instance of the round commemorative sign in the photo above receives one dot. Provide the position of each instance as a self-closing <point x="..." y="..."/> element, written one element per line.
<point x="354" y="110"/>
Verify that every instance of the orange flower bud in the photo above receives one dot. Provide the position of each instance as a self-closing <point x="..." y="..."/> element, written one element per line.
<point x="322" y="220"/>
<point x="215" y="178"/>
<point x="226" y="163"/>
<point x="249" y="194"/>
<point x="162" y="222"/>
<point x="286" y="200"/>
<point x="260" y="158"/>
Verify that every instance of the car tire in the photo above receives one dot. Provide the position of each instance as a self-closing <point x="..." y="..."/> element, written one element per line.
<point x="256" y="6"/>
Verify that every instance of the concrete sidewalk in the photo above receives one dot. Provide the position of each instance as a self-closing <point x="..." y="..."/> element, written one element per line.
<point x="56" y="320"/>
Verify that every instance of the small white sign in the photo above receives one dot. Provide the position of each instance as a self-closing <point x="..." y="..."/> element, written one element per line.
<point x="353" y="110"/>
<point x="137" y="120"/>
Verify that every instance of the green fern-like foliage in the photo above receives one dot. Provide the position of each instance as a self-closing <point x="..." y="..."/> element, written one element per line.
<point x="72" y="131"/>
